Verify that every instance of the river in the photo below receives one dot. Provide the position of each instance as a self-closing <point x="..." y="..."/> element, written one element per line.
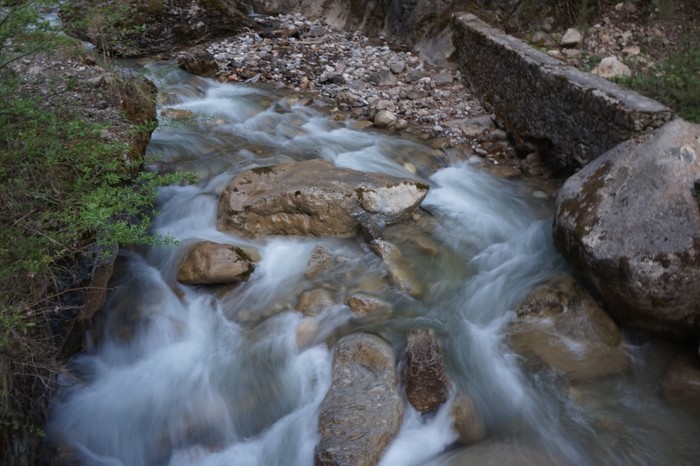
<point x="185" y="375"/>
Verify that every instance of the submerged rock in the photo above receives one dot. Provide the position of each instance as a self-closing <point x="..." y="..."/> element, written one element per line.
<point x="208" y="263"/>
<point x="313" y="302"/>
<point x="362" y="411"/>
<point x="361" y="305"/>
<point x="466" y="421"/>
<point x="564" y="327"/>
<point x="681" y="383"/>
<point x="400" y="275"/>
<point x="320" y="262"/>
<point x="510" y="452"/>
<point x="629" y="223"/>
<point x="314" y="198"/>
<point x="424" y="376"/>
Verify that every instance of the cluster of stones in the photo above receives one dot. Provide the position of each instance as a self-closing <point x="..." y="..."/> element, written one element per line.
<point x="608" y="46"/>
<point x="374" y="84"/>
<point x="559" y="325"/>
<point x="364" y="407"/>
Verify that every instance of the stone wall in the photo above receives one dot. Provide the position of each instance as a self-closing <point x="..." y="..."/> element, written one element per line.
<point x="571" y="116"/>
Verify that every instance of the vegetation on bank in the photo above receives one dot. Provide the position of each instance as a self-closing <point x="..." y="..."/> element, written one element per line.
<point x="72" y="188"/>
<point x="675" y="80"/>
<point x="674" y="77"/>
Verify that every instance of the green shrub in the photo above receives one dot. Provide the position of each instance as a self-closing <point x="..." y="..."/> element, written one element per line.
<point x="66" y="191"/>
<point x="675" y="81"/>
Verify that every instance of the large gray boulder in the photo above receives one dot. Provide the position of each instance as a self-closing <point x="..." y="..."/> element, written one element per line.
<point x="362" y="411"/>
<point x="315" y="198"/>
<point x="629" y="223"/>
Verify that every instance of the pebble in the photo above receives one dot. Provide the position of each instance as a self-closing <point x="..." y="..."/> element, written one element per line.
<point x="394" y="89"/>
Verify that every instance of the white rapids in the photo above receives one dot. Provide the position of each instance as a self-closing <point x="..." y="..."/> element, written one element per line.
<point x="183" y="375"/>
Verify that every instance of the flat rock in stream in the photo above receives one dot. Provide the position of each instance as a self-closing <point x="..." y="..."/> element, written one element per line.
<point x="314" y="198"/>
<point x="363" y="409"/>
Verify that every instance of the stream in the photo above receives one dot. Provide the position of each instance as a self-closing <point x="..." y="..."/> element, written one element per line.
<point x="193" y="375"/>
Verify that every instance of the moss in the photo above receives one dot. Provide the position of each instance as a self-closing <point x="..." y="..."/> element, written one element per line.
<point x="581" y="207"/>
<point x="263" y="170"/>
<point x="242" y="254"/>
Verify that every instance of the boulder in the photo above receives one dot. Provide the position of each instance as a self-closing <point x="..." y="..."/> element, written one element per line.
<point x="143" y="27"/>
<point x="208" y="263"/>
<point x="199" y="61"/>
<point x="424" y="376"/>
<point x="362" y="412"/>
<point x="314" y="198"/>
<point x="383" y="78"/>
<point x="563" y="326"/>
<point x="629" y="223"/>
<point x="611" y="67"/>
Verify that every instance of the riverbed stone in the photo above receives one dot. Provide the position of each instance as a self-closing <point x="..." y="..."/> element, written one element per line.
<point x="425" y="380"/>
<point x="681" y="382"/>
<point x="320" y="262"/>
<point x="466" y="420"/>
<point x="198" y="61"/>
<point x="176" y="114"/>
<point x="629" y="223"/>
<point x="504" y="451"/>
<point x="562" y="325"/>
<point x="314" y="198"/>
<point x="313" y="302"/>
<point x="208" y="263"/>
<point x="399" y="272"/>
<point x="362" y="411"/>
<point x="362" y="304"/>
<point x="384" y="118"/>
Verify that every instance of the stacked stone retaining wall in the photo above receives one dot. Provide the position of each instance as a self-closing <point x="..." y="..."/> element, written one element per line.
<point x="570" y="115"/>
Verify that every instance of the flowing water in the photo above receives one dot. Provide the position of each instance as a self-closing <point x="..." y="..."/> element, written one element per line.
<point x="185" y="375"/>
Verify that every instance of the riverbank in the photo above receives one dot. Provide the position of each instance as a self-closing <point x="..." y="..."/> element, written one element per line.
<point x="73" y="129"/>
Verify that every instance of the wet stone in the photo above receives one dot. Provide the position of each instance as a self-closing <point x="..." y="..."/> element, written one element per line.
<point x="362" y="411"/>
<point x="424" y="376"/>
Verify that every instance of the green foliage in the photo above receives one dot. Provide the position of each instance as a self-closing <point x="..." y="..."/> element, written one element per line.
<point x="66" y="185"/>
<point x="114" y="26"/>
<point x="676" y="80"/>
<point x="588" y="62"/>
<point x="24" y="31"/>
